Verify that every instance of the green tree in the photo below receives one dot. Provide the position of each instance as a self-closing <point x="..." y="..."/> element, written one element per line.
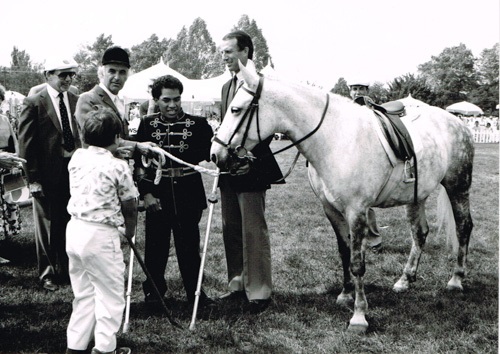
<point x="341" y="88"/>
<point x="22" y="74"/>
<point x="451" y="75"/>
<point x="88" y="59"/>
<point x="194" y="53"/>
<point x="486" y="94"/>
<point x="408" y="84"/>
<point x="261" y="55"/>
<point x="148" y="53"/>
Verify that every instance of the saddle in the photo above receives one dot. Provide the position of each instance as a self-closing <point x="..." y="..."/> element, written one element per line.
<point x="398" y="137"/>
<point x="390" y="114"/>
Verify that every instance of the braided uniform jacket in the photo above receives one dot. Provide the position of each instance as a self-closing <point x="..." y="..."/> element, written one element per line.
<point x="188" y="138"/>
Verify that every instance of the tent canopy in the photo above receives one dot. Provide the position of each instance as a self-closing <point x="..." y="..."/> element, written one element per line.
<point x="465" y="108"/>
<point x="412" y="102"/>
<point x="137" y="86"/>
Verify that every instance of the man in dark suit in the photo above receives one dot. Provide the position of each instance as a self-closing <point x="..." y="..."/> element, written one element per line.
<point x="48" y="136"/>
<point x="244" y="228"/>
<point x="113" y="73"/>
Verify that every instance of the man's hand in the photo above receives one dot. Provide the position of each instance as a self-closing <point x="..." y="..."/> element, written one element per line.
<point x="146" y="148"/>
<point x="242" y="166"/>
<point x="36" y="190"/>
<point x="9" y="160"/>
<point x="124" y="152"/>
<point x="151" y="203"/>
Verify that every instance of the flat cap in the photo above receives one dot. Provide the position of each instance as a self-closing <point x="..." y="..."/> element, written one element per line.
<point x="115" y="55"/>
<point x="60" y="64"/>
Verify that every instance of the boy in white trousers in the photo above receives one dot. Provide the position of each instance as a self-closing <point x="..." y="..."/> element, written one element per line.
<point x="103" y="206"/>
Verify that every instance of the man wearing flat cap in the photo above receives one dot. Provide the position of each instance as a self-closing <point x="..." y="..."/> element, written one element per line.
<point x="113" y="73"/>
<point x="358" y="90"/>
<point x="48" y="136"/>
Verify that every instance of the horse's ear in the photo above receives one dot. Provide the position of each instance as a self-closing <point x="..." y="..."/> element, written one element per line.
<point x="249" y="75"/>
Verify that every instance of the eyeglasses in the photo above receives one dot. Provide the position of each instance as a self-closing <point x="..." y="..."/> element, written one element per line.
<point x="65" y="74"/>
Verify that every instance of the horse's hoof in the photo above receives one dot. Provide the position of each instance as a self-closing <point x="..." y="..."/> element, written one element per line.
<point x="454" y="284"/>
<point x="357" y="328"/>
<point x="345" y="299"/>
<point x="401" y="285"/>
<point x="358" y="324"/>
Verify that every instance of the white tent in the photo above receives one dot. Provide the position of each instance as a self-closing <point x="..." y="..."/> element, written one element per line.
<point x="465" y="108"/>
<point x="137" y="86"/>
<point x="207" y="90"/>
<point x="412" y="102"/>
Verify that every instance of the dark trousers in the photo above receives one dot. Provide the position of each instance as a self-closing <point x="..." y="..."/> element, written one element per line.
<point x="51" y="217"/>
<point x="184" y="226"/>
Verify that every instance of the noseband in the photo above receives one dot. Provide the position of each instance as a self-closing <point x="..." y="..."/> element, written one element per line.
<point x="240" y="153"/>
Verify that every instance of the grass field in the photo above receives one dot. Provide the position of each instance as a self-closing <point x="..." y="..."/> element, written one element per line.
<point x="303" y="316"/>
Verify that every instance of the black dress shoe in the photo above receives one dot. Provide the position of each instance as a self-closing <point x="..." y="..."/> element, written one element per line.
<point x="48" y="284"/>
<point x="257" y="306"/>
<point x="207" y="303"/>
<point x="233" y="296"/>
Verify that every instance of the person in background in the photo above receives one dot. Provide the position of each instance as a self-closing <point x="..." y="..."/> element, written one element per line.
<point x="9" y="161"/>
<point x="113" y="73"/>
<point x="10" y="214"/>
<point x="103" y="207"/>
<point x="175" y="204"/>
<point x="48" y="136"/>
<point x="243" y="195"/>
<point x="374" y="240"/>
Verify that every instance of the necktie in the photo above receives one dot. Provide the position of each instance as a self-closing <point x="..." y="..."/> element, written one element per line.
<point x="69" y="142"/>
<point x="232" y="89"/>
<point x="120" y="107"/>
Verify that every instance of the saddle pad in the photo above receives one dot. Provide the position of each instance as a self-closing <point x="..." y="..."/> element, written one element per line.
<point x="398" y="165"/>
<point x="415" y="137"/>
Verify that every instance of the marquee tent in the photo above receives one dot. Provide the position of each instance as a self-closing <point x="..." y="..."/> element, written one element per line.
<point x="412" y="102"/>
<point x="465" y="108"/>
<point x="137" y="86"/>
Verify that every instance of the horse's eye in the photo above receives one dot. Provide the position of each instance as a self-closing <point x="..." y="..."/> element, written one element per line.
<point x="235" y="110"/>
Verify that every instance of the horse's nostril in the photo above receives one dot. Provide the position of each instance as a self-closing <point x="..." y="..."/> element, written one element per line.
<point x="213" y="158"/>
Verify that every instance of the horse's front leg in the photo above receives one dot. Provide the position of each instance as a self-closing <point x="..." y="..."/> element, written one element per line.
<point x="341" y="229"/>
<point x="359" y="231"/>
<point x="419" y="230"/>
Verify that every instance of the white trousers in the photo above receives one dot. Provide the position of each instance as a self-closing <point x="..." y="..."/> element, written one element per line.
<point x="96" y="270"/>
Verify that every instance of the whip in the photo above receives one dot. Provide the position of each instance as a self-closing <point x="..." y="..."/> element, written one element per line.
<point x="212" y="199"/>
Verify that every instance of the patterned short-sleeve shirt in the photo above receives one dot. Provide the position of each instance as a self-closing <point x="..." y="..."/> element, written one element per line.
<point x="99" y="182"/>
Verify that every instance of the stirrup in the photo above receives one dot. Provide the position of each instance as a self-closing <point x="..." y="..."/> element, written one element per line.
<point x="409" y="177"/>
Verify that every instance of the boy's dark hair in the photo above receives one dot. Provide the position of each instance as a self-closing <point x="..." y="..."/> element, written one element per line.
<point x="243" y="40"/>
<point x="101" y="127"/>
<point x="167" y="81"/>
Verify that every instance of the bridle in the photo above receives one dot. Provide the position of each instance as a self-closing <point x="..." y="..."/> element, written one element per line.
<point x="239" y="154"/>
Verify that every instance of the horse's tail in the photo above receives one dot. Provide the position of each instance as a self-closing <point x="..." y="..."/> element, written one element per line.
<point x="446" y="221"/>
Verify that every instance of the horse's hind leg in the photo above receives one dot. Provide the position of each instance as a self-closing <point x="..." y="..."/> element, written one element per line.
<point x="463" y="221"/>
<point x="419" y="231"/>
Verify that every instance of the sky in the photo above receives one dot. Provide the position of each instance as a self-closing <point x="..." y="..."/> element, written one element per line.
<point x="318" y="41"/>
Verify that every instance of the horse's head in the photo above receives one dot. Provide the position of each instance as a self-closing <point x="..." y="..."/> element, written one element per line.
<point x="241" y="129"/>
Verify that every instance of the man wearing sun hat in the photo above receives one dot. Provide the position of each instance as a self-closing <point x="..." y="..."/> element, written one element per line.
<point x="48" y="136"/>
<point x="113" y="73"/>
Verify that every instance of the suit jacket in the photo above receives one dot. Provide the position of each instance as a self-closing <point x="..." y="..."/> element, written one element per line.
<point x="89" y="101"/>
<point x="40" y="139"/>
<point x="263" y="172"/>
